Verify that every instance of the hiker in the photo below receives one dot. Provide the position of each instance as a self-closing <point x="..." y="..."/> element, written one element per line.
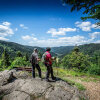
<point x="34" y="61"/>
<point x="48" y="63"/>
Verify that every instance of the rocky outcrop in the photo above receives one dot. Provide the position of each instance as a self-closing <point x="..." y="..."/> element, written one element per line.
<point x="17" y="85"/>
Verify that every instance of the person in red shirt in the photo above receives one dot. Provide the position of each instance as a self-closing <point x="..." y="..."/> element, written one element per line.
<point x="48" y="64"/>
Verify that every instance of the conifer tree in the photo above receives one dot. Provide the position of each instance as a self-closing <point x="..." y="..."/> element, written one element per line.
<point x="26" y="57"/>
<point x="19" y="54"/>
<point x="5" y="58"/>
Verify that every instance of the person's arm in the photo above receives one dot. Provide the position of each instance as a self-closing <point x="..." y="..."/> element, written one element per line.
<point x="51" y="58"/>
<point x="38" y="59"/>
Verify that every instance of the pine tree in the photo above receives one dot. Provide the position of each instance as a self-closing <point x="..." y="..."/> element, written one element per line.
<point x="5" y="58"/>
<point x="19" y="54"/>
<point x="26" y="57"/>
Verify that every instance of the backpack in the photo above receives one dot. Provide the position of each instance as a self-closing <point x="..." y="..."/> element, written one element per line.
<point x="44" y="57"/>
<point x="32" y="59"/>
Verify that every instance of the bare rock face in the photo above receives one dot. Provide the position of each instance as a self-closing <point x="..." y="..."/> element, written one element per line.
<point x="34" y="89"/>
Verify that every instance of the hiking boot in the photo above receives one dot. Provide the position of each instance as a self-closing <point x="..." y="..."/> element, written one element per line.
<point x="41" y="79"/>
<point x="47" y="80"/>
<point x="53" y="78"/>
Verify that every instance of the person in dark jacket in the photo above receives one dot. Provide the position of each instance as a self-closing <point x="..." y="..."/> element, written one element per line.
<point x="35" y="62"/>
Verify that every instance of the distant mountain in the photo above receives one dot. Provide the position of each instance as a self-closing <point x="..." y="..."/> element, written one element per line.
<point x="62" y="50"/>
<point x="89" y="49"/>
<point x="12" y="48"/>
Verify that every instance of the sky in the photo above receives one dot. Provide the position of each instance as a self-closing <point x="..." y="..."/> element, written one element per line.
<point x="45" y="23"/>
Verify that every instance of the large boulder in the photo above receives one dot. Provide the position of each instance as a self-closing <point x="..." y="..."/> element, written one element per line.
<point x="6" y="76"/>
<point x="35" y="89"/>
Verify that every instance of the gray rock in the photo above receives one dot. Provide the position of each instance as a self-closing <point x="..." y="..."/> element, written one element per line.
<point x="5" y="76"/>
<point x="35" y="89"/>
<point x="17" y="95"/>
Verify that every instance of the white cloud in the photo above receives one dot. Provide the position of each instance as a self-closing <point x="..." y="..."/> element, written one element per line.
<point x="6" y="23"/>
<point x="27" y="37"/>
<point x="86" y="26"/>
<point x="2" y="38"/>
<point x="23" y="26"/>
<point x="16" y="29"/>
<point x="63" y="41"/>
<point x="60" y="31"/>
<point x="98" y="41"/>
<point x="95" y="26"/>
<point x="94" y="35"/>
<point x="5" y="30"/>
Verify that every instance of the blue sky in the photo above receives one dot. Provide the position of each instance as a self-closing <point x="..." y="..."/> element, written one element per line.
<point x="45" y="23"/>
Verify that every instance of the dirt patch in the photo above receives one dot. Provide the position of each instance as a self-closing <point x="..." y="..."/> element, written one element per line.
<point x="92" y="88"/>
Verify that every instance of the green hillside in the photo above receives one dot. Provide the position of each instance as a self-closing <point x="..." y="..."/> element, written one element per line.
<point x="62" y="50"/>
<point x="89" y="49"/>
<point x="12" y="48"/>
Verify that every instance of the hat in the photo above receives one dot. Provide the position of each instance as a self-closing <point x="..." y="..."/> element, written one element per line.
<point x="35" y="49"/>
<point x="48" y="49"/>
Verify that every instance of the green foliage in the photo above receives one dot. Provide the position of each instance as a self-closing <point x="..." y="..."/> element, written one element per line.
<point x="76" y="60"/>
<point x="73" y="83"/>
<point x="57" y="62"/>
<point x="12" y="48"/>
<point x="91" y="7"/>
<point x="26" y="57"/>
<point x="90" y="49"/>
<point x="62" y="50"/>
<point x="1" y="63"/>
<point x="5" y="61"/>
<point x="20" y="61"/>
<point x="19" y="54"/>
<point x="94" y="69"/>
<point x="40" y="54"/>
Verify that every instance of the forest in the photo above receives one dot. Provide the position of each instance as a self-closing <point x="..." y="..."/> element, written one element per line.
<point x="83" y="58"/>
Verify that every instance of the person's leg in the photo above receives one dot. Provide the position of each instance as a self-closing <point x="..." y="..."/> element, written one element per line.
<point x="48" y="71"/>
<point x="39" y="69"/>
<point x="51" y="72"/>
<point x="33" y="70"/>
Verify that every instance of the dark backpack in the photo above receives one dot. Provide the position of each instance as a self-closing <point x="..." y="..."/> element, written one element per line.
<point x="32" y="59"/>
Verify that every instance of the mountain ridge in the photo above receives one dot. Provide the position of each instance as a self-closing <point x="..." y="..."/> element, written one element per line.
<point x="56" y="51"/>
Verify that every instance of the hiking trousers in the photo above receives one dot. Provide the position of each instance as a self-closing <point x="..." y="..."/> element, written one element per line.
<point x="33" y="70"/>
<point x="49" y="71"/>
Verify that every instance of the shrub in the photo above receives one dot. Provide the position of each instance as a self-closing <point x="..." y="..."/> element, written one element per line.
<point x="76" y="60"/>
<point x="19" y="61"/>
<point x="94" y="69"/>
